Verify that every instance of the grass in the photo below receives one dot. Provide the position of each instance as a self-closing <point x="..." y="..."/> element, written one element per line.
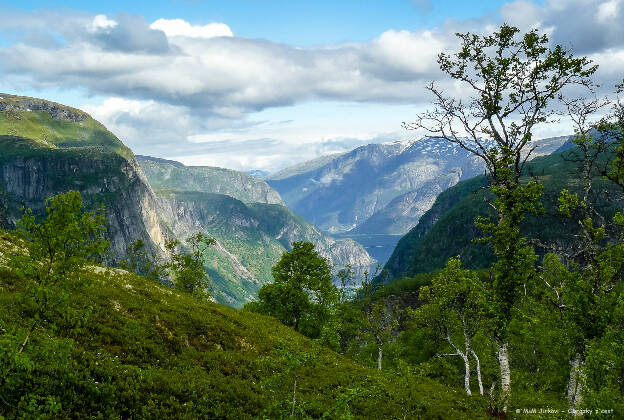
<point x="146" y="352"/>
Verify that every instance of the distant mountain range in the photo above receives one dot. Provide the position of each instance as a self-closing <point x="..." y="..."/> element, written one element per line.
<point x="376" y="193"/>
<point x="381" y="188"/>
<point x="48" y="148"/>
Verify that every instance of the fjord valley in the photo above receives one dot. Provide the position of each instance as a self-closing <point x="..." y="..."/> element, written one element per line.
<point x="471" y="268"/>
<point x="139" y="346"/>
<point x="47" y="152"/>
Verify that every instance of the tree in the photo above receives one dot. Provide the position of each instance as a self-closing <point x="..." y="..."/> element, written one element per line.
<point x="54" y="252"/>
<point x="302" y="295"/>
<point x="515" y="83"/>
<point x="56" y="248"/>
<point x="380" y="323"/>
<point x="580" y="278"/>
<point x="139" y="261"/>
<point x="186" y="269"/>
<point x="455" y="308"/>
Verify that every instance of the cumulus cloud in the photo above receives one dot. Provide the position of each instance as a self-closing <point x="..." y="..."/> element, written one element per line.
<point x="179" y="27"/>
<point x="170" y="81"/>
<point x="102" y="22"/>
<point x="208" y="68"/>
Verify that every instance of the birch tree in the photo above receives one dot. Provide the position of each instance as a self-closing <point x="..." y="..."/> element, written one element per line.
<point x="581" y="276"/>
<point x="381" y="320"/>
<point x="515" y="83"/>
<point x="455" y="308"/>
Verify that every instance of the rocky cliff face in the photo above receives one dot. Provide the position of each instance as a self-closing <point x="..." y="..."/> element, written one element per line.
<point x="103" y="178"/>
<point x="56" y="111"/>
<point x="250" y="239"/>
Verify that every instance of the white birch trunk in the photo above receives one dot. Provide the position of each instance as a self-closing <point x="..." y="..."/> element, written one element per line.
<point x="467" y="374"/>
<point x="575" y="383"/>
<point x="478" y="371"/>
<point x="294" y="400"/>
<point x="379" y="356"/>
<point x="464" y="356"/>
<point x="503" y="362"/>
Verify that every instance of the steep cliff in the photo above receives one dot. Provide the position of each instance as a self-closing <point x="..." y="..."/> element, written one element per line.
<point x="48" y="148"/>
<point x="250" y="239"/>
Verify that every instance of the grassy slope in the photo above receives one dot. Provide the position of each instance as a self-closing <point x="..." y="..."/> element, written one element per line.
<point x="448" y="228"/>
<point x="46" y="131"/>
<point x="149" y="352"/>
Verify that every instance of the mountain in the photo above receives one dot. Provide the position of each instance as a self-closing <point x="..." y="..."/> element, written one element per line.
<point x="169" y="174"/>
<point x="251" y="225"/>
<point x="447" y="229"/>
<point x="379" y="189"/>
<point x="258" y="173"/>
<point x="142" y="350"/>
<point x="48" y="148"/>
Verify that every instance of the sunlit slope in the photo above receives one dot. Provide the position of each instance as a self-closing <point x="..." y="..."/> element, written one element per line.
<point x="145" y="351"/>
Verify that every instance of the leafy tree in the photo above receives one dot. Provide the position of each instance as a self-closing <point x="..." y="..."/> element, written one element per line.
<point x="49" y="261"/>
<point x="139" y="261"/>
<point x="186" y="269"/>
<point x="55" y="250"/>
<point x="302" y="295"/>
<point x="516" y="81"/>
<point x="381" y="321"/>
<point x="456" y="310"/>
<point x="580" y="278"/>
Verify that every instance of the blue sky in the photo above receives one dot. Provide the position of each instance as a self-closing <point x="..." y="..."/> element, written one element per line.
<point x="296" y="22"/>
<point x="266" y="84"/>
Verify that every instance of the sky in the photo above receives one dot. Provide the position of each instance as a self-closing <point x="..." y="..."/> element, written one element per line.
<point x="267" y="84"/>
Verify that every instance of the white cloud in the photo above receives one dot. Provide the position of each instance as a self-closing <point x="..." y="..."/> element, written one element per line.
<point x="179" y="27"/>
<point x="177" y="89"/>
<point x="608" y="11"/>
<point x="102" y="22"/>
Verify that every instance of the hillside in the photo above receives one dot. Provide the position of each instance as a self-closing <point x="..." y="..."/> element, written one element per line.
<point x="447" y="229"/>
<point x="144" y="351"/>
<point x="54" y="125"/>
<point x="251" y="238"/>
<point x="169" y="174"/>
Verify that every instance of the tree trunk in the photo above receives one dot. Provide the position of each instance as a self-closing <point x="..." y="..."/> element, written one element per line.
<point x="575" y="383"/>
<point x="379" y="356"/>
<point x="503" y="362"/>
<point x="478" y="371"/>
<point x="294" y="401"/>
<point x="467" y="374"/>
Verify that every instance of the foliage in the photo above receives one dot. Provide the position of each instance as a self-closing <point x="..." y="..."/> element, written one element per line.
<point x="302" y="295"/>
<point x="186" y="269"/>
<point x="148" y="351"/>
<point x="140" y="261"/>
<point x="48" y="258"/>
